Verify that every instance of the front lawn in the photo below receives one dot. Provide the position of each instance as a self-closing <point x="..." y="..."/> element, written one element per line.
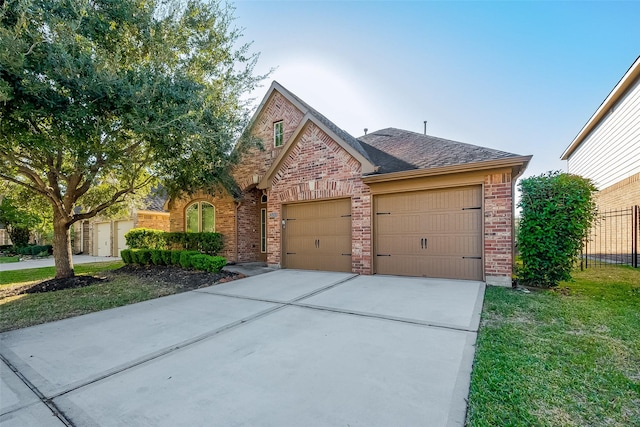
<point x="568" y="357"/>
<point x="8" y="259"/>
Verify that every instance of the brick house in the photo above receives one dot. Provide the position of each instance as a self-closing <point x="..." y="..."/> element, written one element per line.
<point x="105" y="236"/>
<point x="389" y="202"/>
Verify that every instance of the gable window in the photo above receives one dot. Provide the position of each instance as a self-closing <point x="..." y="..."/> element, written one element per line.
<point x="278" y="133"/>
<point x="200" y="216"/>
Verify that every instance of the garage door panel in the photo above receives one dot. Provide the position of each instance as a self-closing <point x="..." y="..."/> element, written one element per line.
<point x="433" y="233"/>
<point x="318" y="235"/>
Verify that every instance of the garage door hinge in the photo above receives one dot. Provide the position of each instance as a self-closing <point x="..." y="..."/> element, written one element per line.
<point x="291" y="253"/>
<point x="345" y="216"/>
<point x="346" y="254"/>
<point x="383" y="254"/>
<point x="468" y="209"/>
<point x="471" y="257"/>
<point x="383" y="213"/>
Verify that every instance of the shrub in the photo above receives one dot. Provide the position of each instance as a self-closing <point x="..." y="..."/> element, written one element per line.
<point x="209" y="263"/>
<point x="126" y="256"/>
<point x="166" y="256"/>
<point x="145" y="238"/>
<point x="210" y="243"/>
<point x="558" y="210"/>
<point x="156" y="257"/>
<point x="141" y="256"/>
<point x="185" y="258"/>
<point x="175" y="257"/>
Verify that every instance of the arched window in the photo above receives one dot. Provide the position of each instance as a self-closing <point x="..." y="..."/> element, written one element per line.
<point x="200" y="216"/>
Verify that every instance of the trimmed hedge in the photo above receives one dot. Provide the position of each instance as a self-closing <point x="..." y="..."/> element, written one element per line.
<point x="184" y="259"/>
<point x="209" y="263"/>
<point x="35" y="250"/>
<point x="145" y="238"/>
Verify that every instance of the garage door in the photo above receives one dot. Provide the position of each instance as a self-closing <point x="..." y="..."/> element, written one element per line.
<point x="122" y="227"/>
<point x="435" y="233"/>
<point x="317" y="235"/>
<point x="104" y="238"/>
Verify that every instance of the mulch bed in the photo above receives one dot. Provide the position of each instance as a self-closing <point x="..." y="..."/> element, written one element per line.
<point x="184" y="280"/>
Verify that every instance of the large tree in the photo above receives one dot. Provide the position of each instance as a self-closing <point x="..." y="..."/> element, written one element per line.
<point x="99" y="99"/>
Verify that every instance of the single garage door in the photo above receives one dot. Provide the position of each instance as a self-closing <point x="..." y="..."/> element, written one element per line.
<point x="104" y="238"/>
<point x="434" y="233"/>
<point x="122" y="228"/>
<point x="317" y="235"/>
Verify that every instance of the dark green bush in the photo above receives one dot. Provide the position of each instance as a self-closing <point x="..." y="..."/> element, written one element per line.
<point x="558" y="209"/>
<point x="42" y="250"/>
<point x="175" y="257"/>
<point x="209" y="263"/>
<point x="126" y="256"/>
<point x="145" y="238"/>
<point x="166" y="256"/>
<point x="185" y="258"/>
<point x="209" y="243"/>
<point x="156" y="257"/>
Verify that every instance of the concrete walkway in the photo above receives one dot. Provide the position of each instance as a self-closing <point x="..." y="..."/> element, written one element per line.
<point x="286" y="348"/>
<point x="50" y="262"/>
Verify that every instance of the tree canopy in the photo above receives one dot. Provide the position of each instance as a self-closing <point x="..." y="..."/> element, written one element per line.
<point x="101" y="99"/>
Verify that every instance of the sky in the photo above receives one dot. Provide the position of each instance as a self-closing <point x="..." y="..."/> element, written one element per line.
<point x="522" y="77"/>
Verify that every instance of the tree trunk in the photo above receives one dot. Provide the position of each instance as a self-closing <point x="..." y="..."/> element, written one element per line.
<point x="62" y="247"/>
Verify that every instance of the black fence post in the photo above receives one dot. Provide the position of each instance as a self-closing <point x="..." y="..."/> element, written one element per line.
<point x="634" y="236"/>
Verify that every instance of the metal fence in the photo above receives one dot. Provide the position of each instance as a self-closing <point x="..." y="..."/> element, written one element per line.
<point x="613" y="239"/>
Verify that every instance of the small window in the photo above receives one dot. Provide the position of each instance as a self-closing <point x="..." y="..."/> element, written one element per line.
<point x="263" y="230"/>
<point x="278" y="133"/>
<point x="200" y="216"/>
<point x="263" y="199"/>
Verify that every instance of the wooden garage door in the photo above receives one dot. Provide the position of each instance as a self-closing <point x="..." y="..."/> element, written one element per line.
<point x="317" y="235"/>
<point x="435" y="233"/>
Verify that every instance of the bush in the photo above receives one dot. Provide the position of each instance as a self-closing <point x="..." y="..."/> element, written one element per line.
<point x="558" y="210"/>
<point x="210" y="243"/>
<point x="156" y="257"/>
<point x="209" y="263"/>
<point x="166" y="256"/>
<point x="175" y="257"/>
<point x="145" y="238"/>
<point x="36" y="250"/>
<point x="126" y="256"/>
<point x="141" y="256"/>
<point x="185" y="258"/>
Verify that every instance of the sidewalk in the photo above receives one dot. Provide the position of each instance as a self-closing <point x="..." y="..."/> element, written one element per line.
<point x="49" y="262"/>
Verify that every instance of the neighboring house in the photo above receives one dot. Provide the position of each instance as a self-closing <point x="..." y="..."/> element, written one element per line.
<point x="390" y="202"/>
<point x="105" y="237"/>
<point x="607" y="148"/>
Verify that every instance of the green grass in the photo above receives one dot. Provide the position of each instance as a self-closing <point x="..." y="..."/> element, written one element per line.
<point x="43" y="273"/>
<point x="33" y="309"/>
<point x="569" y="357"/>
<point x="8" y="259"/>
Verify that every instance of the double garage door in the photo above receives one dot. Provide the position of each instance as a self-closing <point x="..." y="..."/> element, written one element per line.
<point x="433" y="233"/>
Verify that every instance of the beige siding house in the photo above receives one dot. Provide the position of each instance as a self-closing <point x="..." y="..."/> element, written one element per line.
<point x="607" y="148"/>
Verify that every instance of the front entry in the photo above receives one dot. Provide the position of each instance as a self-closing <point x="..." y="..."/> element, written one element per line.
<point x="317" y="235"/>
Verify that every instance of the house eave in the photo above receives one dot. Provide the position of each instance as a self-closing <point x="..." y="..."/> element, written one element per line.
<point x="518" y="165"/>
<point x="630" y="77"/>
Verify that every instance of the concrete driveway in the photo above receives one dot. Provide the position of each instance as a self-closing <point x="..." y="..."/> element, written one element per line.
<point x="286" y="348"/>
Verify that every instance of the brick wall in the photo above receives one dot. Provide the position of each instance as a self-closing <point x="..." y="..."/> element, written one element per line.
<point x="249" y="227"/>
<point x="498" y="248"/>
<point x="155" y="221"/>
<point x="257" y="160"/>
<point x="318" y="168"/>
<point x="622" y="194"/>
<point x="225" y="218"/>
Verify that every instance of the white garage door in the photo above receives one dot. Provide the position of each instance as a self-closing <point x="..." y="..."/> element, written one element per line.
<point x="122" y="227"/>
<point x="104" y="238"/>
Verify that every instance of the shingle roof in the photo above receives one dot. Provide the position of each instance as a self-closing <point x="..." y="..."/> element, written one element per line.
<point x="346" y="137"/>
<point x="395" y="150"/>
<point x="155" y="200"/>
